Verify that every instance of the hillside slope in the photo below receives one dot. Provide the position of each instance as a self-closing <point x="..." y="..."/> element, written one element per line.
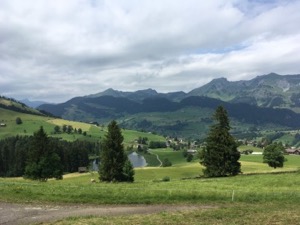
<point x="14" y="105"/>
<point x="189" y="117"/>
<point x="31" y="123"/>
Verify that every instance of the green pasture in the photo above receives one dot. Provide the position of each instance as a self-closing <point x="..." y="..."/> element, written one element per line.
<point x="257" y="183"/>
<point x="176" y="157"/>
<point x="31" y="123"/>
<point x="259" y="196"/>
<point x="287" y="138"/>
<point x="246" y="147"/>
<point x="246" y="188"/>
<point x="217" y="214"/>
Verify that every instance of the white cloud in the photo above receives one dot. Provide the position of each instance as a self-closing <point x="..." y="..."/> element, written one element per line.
<point x="55" y="50"/>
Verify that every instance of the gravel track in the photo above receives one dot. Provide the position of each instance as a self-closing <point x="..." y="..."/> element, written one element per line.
<point x="16" y="214"/>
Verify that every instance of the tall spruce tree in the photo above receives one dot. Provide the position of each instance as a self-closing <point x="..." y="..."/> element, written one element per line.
<point x="113" y="160"/>
<point x="220" y="156"/>
<point x="43" y="163"/>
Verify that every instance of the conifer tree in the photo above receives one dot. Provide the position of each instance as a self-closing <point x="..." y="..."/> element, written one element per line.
<point x="43" y="163"/>
<point x="128" y="172"/>
<point x="220" y="156"/>
<point x="112" y="156"/>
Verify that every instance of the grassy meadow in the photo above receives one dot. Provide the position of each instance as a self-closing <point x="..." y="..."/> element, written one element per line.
<point x="221" y="214"/>
<point x="264" y="198"/>
<point x="31" y="123"/>
<point x="185" y="186"/>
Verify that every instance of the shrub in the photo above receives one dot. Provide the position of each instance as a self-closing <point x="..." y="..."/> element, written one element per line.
<point x="166" y="179"/>
<point x="19" y="121"/>
<point x="189" y="157"/>
<point x="166" y="162"/>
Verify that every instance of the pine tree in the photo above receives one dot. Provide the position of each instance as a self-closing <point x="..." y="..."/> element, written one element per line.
<point x="128" y="171"/>
<point x="112" y="156"/>
<point x="220" y="156"/>
<point x="43" y="163"/>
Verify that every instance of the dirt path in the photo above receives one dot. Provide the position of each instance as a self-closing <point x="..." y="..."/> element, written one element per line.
<point x="157" y="158"/>
<point x="14" y="214"/>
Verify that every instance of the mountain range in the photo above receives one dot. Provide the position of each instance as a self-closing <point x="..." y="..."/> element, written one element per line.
<point x="272" y="90"/>
<point x="264" y="102"/>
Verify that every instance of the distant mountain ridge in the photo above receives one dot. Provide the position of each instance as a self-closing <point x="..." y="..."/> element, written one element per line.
<point x="270" y="90"/>
<point x="262" y="102"/>
<point x="140" y="95"/>
<point x="33" y="104"/>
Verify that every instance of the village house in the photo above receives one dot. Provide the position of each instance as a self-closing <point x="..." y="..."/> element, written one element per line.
<point x="192" y="151"/>
<point x="292" y="151"/>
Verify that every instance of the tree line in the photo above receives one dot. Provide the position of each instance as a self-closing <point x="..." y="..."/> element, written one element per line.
<point x="19" y="152"/>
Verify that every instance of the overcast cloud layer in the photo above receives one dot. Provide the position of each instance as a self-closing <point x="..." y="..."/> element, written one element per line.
<point x="55" y="50"/>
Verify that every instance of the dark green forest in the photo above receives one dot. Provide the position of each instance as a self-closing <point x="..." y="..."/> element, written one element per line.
<point x="15" y="152"/>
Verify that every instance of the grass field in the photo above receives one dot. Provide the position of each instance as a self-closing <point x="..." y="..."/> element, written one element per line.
<point x="246" y="147"/>
<point x="218" y="214"/>
<point x="32" y="123"/>
<point x="263" y="198"/>
<point x="148" y="188"/>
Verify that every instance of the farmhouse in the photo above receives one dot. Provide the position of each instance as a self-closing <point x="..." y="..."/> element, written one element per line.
<point x="192" y="151"/>
<point x="292" y="151"/>
<point x="82" y="169"/>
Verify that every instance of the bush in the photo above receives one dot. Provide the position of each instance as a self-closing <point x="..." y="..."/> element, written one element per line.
<point x="189" y="157"/>
<point x="166" y="179"/>
<point x="157" y="144"/>
<point x="19" y="121"/>
<point x="166" y="163"/>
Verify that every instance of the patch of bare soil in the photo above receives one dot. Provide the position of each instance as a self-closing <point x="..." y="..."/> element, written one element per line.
<point x="16" y="214"/>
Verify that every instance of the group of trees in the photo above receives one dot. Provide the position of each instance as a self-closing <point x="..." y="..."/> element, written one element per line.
<point x="28" y="155"/>
<point x="40" y="157"/>
<point x="68" y="129"/>
<point x="157" y="144"/>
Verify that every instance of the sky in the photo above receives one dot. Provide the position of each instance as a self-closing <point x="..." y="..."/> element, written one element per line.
<point x="55" y="50"/>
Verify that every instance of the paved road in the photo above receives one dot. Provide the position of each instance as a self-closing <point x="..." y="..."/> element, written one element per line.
<point x="15" y="214"/>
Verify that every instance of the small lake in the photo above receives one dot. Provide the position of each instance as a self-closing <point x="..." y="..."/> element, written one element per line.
<point x="137" y="160"/>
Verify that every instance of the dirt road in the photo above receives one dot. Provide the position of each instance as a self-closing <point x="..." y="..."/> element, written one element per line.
<point x="14" y="214"/>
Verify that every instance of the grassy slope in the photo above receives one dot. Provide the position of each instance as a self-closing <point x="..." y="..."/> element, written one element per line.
<point x="10" y="103"/>
<point x="31" y="123"/>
